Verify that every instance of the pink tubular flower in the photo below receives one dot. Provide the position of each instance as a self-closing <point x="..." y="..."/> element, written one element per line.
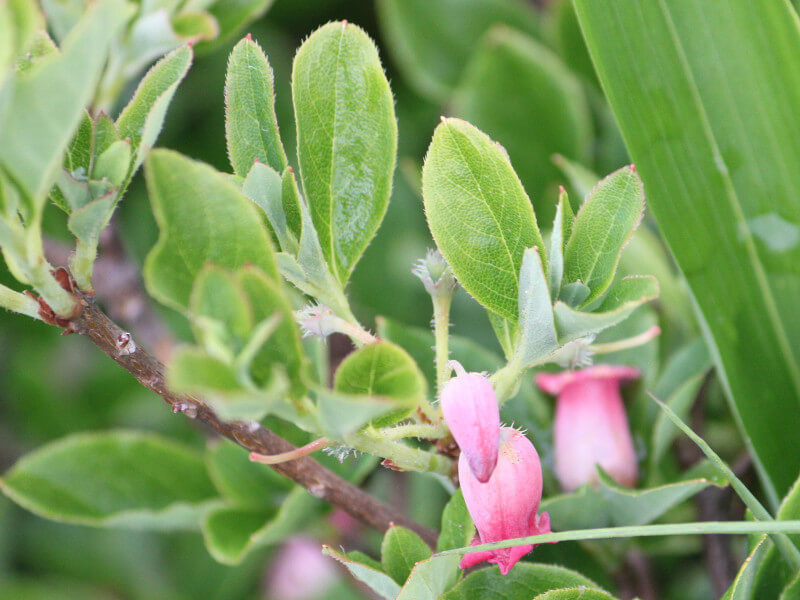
<point x="470" y="410"/>
<point x="591" y="427"/>
<point x="506" y="506"/>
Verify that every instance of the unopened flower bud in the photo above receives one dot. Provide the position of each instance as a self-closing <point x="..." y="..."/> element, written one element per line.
<point x="317" y="320"/>
<point x="506" y="506"/>
<point x="591" y="427"/>
<point x="435" y="274"/>
<point x="470" y="410"/>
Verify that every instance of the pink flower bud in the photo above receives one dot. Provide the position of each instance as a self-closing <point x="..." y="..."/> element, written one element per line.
<point x="470" y="409"/>
<point x="505" y="507"/>
<point x="591" y="427"/>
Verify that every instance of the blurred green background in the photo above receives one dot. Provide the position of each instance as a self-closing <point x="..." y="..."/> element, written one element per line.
<point x="520" y="73"/>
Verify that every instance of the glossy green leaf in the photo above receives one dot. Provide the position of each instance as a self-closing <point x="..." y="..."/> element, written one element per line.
<point x="383" y="585"/>
<point x="386" y="370"/>
<point x="242" y="482"/>
<point x="346" y="139"/>
<point x="116" y="478"/>
<point x="231" y="533"/>
<point x="203" y="218"/>
<point x="45" y="105"/>
<point x="622" y="300"/>
<point x="143" y="117"/>
<point x="430" y="579"/>
<point x="544" y="108"/>
<point x="720" y="185"/>
<point x="524" y="582"/>
<point x="433" y="40"/>
<point x="613" y="505"/>
<point x="604" y="224"/>
<point x="457" y="528"/>
<point x="251" y="127"/>
<point x="401" y="549"/>
<point x="479" y="214"/>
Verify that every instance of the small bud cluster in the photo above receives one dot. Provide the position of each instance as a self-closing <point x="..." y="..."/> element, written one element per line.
<point x="435" y="274"/>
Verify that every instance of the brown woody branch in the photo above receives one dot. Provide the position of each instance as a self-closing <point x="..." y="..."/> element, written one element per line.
<point x="319" y="481"/>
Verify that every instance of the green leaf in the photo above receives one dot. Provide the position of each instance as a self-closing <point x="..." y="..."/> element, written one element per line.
<point x="231" y="533"/>
<point x="25" y="20"/>
<point x="46" y="104"/>
<point x="283" y="346"/>
<point x="478" y="213"/>
<point x="346" y="139"/>
<point x="401" y="550"/>
<point x="88" y="221"/>
<point x="264" y="186"/>
<point x="457" y="527"/>
<point x="579" y="593"/>
<point x="537" y="328"/>
<point x="17" y="589"/>
<point x="622" y="300"/>
<point x="143" y="117"/>
<point x="251" y="127"/>
<point x="193" y="371"/>
<point x="113" y="163"/>
<point x="233" y="15"/>
<point x="240" y="481"/>
<point x="116" y="478"/>
<point x="430" y="579"/>
<point x="525" y="581"/>
<point x="383" y="585"/>
<point x="195" y="25"/>
<point x="386" y="370"/>
<point x="604" y="224"/>
<point x="562" y="227"/>
<point x="743" y="587"/>
<point x="432" y="40"/>
<point x="544" y="108"/>
<point x="678" y="386"/>
<point x="41" y="46"/>
<point x="705" y="170"/>
<point x="203" y="218"/>
<point x="220" y="312"/>
<point x="613" y="505"/>
<point x="341" y="414"/>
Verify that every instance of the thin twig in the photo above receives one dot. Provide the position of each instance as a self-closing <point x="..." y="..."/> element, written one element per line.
<point x="319" y="481"/>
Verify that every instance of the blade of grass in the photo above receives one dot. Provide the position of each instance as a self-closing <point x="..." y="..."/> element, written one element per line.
<point x="787" y="549"/>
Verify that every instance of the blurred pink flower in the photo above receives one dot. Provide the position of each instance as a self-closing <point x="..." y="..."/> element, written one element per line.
<point x="470" y="410"/>
<point x="506" y="506"/>
<point x="300" y="571"/>
<point x="591" y="427"/>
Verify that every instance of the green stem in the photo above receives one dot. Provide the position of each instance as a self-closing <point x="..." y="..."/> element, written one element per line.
<point x="19" y="303"/>
<point x="506" y="381"/>
<point x="82" y="264"/>
<point x="441" y="333"/>
<point x="785" y="546"/>
<point x="428" y="432"/>
<point x="402" y="456"/>
<point x="605" y="533"/>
